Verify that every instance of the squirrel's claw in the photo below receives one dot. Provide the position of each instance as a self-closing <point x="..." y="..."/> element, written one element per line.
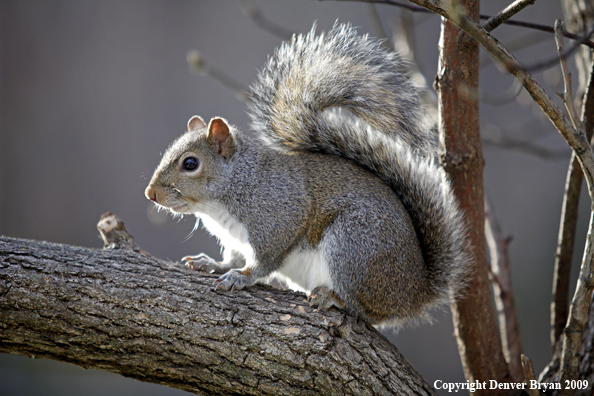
<point x="202" y="262"/>
<point x="232" y="280"/>
<point x="323" y="298"/>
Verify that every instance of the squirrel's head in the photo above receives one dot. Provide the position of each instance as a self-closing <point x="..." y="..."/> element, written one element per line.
<point x="191" y="167"/>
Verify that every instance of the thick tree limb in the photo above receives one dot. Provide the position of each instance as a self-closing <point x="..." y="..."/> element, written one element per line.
<point x="123" y="311"/>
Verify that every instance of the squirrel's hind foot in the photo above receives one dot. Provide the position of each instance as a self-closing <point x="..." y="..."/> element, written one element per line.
<point x="235" y="279"/>
<point x="323" y="298"/>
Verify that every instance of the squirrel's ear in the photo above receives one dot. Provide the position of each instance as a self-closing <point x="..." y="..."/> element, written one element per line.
<point x="195" y="123"/>
<point x="220" y="136"/>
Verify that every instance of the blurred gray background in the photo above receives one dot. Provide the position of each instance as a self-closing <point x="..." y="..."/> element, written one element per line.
<point x="92" y="92"/>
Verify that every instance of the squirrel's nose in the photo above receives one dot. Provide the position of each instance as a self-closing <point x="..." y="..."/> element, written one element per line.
<point x="151" y="194"/>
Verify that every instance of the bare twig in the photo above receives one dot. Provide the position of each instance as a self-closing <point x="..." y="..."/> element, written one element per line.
<point x="437" y="9"/>
<point x="377" y="27"/>
<point x="567" y="229"/>
<point x="527" y="147"/>
<point x="578" y="317"/>
<point x="564" y="254"/>
<point x="198" y="64"/>
<point x="563" y="55"/>
<point x="567" y="97"/>
<point x="405" y="44"/>
<point x="507" y="13"/>
<point x="529" y="374"/>
<point x="251" y="11"/>
<point x="517" y="43"/>
<point x="578" y="312"/>
<point x="549" y="29"/>
<point x="509" y="327"/>
<point x="498" y="100"/>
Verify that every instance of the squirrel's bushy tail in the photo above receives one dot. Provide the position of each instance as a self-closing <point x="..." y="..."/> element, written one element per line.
<point x="299" y="102"/>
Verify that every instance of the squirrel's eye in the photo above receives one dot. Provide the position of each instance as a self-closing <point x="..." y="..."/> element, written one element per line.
<point x="190" y="163"/>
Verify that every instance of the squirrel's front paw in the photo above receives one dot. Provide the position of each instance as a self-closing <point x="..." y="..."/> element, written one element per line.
<point x="202" y="262"/>
<point x="323" y="298"/>
<point x="234" y="279"/>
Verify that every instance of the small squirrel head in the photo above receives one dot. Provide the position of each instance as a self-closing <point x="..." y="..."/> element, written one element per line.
<point x="192" y="167"/>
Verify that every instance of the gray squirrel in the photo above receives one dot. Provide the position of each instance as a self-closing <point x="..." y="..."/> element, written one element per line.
<point x="341" y="196"/>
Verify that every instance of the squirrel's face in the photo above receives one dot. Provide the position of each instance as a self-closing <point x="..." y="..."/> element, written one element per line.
<point x="185" y="180"/>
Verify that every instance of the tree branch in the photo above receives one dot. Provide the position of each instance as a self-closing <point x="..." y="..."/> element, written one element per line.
<point x="545" y="64"/>
<point x="377" y="27"/>
<point x="123" y="311"/>
<point x="507" y="13"/>
<point x="576" y="140"/>
<point x="529" y="375"/>
<point x="580" y="145"/>
<point x="250" y="10"/>
<point x="567" y="228"/>
<point x="475" y="325"/>
<point x="437" y="8"/>
<point x="198" y="64"/>
<point x="578" y="312"/>
<point x="509" y="327"/>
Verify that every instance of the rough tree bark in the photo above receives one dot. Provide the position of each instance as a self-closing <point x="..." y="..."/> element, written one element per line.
<point x="121" y="310"/>
<point x="456" y="84"/>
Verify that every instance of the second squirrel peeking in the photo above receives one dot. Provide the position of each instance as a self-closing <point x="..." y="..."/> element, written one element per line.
<point x="341" y="196"/>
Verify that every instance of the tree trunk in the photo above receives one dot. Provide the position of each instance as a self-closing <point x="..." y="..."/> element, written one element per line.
<point x="477" y="333"/>
<point x="123" y="311"/>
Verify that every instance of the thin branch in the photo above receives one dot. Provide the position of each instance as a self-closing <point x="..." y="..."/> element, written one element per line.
<point x="405" y="45"/>
<point x="198" y="64"/>
<point x="509" y="327"/>
<point x="251" y="11"/>
<point x="567" y="228"/>
<point x="567" y="97"/>
<point x="502" y="99"/>
<point x="564" y="254"/>
<point x="578" y="313"/>
<point x="507" y="13"/>
<point x="549" y="29"/>
<point x="527" y="147"/>
<point x="515" y="44"/>
<point x="377" y="27"/>
<point x="563" y="55"/>
<point x="436" y="8"/>
<point x="578" y="316"/>
<point x="529" y="375"/>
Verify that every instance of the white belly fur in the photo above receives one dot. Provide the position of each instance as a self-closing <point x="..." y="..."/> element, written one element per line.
<point x="305" y="269"/>
<point x="232" y="234"/>
<point x="302" y="269"/>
